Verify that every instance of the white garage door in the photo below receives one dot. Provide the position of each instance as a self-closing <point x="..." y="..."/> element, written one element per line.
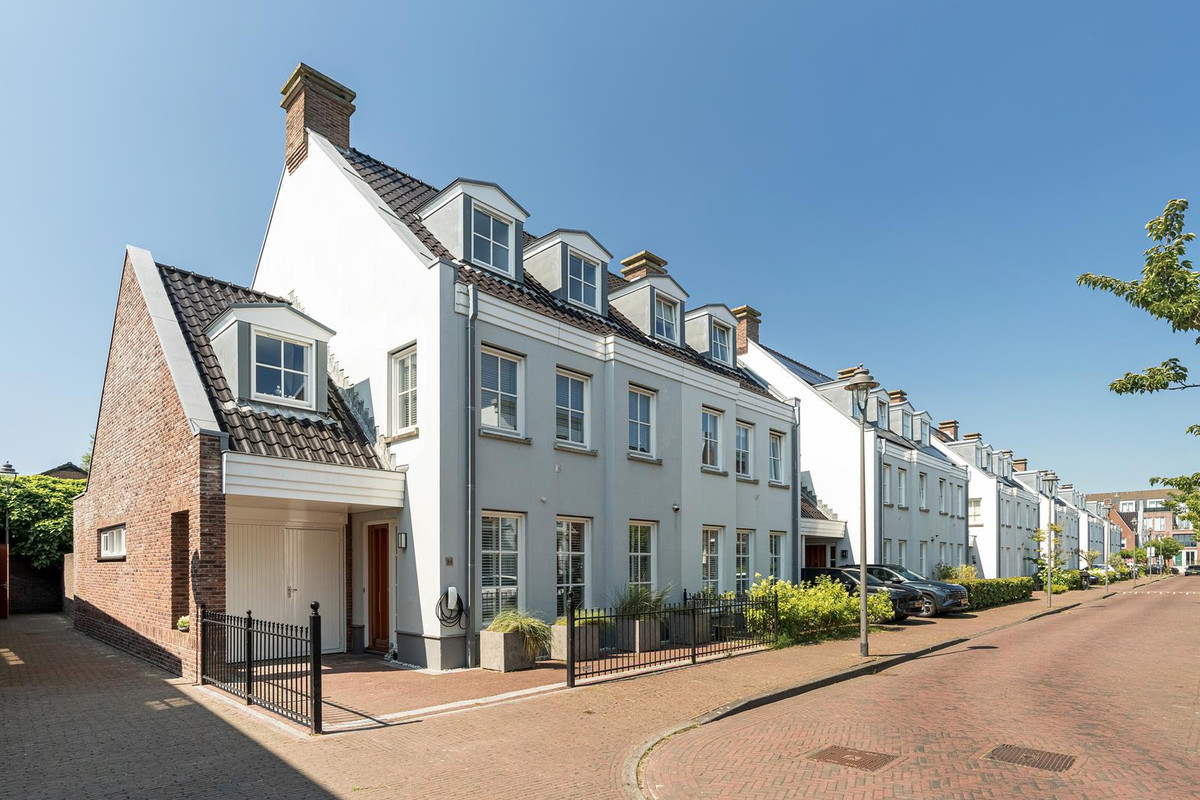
<point x="276" y="572"/>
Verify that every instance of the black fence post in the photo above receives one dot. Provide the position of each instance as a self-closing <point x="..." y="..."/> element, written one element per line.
<point x="203" y="646"/>
<point x="570" y="640"/>
<point x="314" y="646"/>
<point x="249" y="657"/>
<point x="775" y="628"/>
<point x="695" y="633"/>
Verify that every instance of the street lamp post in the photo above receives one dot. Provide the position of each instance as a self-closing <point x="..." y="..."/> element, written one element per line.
<point x="1051" y="482"/>
<point x="9" y="474"/>
<point x="1107" y="542"/>
<point x="860" y="386"/>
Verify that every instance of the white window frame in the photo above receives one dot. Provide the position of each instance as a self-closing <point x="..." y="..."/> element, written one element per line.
<point x="975" y="511"/>
<point x="748" y="430"/>
<point x="925" y="432"/>
<point x="651" y="567"/>
<point x="887" y="483"/>
<point x="923" y="557"/>
<point x="743" y="555"/>
<point x="882" y="418"/>
<point x="112" y="542"/>
<point x="902" y="552"/>
<point x="775" y="457"/>
<point x="710" y="570"/>
<point x="906" y="425"/>
<point x="583" y="581"/>
<point x="582" y="281"/>
<point x="508" y="269"/>
<point x="777" y="555"/>
<point x="503" y="355"/>
<point x="923" y="490"/>
<point x="942" y="553"/>
<point x="942" y="495"/>
<point x="901" y="487"/>
<point x="666" y="303"/>
<point x="570" y="410"/>
<point x="310" y="350"/>
<point x="401" y="422"/>
<point x="648" y="423"/>
<point x="498" y="552"/>
<point x="724" y="355"/>
<point x="715" y="438"/>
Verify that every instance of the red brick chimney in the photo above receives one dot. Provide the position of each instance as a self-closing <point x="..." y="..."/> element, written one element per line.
<point x="639" y="265"/>
<point x="1021" y="464"/>
<point x="747" y="327"/>
<point x="318" y="103"/>
<point x="897" y="396"/>
<point x="950" y="428"/>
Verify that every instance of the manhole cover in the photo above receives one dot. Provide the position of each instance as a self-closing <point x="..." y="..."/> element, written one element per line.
<point x="849" y="757"/>
<point x="1028" y="757"/>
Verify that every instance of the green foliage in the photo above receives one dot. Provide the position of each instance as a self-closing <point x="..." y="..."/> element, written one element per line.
<point x="183" y="623"/>
<point x="534" y="633"/>
<point x="811" y="611"/>
<point x="1058" y="588"/>
<point x="640" y="600"/>
<point x="1167" y="547"/>
<point x="1089" y="557"/>
<point x="585" y="616"/>
<point x="1038" y="537"/>
<point x="988" y="592"/>
<point x="40" y="516"/>
<point x="85" y="460"/>
<point x="1185" y="500"/>
<point x="963" y="572"/>
<point x="1072" y="580"/>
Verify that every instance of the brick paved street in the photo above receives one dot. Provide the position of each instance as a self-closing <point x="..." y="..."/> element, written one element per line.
<point x="1113" y="682"/>
<point x="78" y="719"/>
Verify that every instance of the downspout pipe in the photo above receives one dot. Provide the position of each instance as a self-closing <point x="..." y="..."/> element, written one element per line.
<point x="471" y="445"/>
<point x="796" y="538"/>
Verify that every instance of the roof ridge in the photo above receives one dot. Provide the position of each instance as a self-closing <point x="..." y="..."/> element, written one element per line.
<point x="380" y="161"/>
<point x="223" y="282"/>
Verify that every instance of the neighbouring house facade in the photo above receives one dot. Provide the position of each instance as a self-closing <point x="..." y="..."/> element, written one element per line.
<point x="916" y="496"/>
<point x="1002" y="513"/>
<point x="1143" y="516"/>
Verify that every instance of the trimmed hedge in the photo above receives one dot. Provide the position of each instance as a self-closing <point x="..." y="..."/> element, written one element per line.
<point x="988" y="592"/>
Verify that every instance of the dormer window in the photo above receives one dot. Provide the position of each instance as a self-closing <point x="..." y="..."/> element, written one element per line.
<point x="666" y="319"/>
<point x="720" y="343"/>
<point x="881" y="416"/>
<point x="906" y="425"/>
<point x="281" y="369"/>
<point x="925" y="432"/>
<point x="582" y="281"/>
<point x="491" y="241"/>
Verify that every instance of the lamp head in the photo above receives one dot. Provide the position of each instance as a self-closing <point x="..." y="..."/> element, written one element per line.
<point x="7" y="469"/>
<point x="860" y="385"/>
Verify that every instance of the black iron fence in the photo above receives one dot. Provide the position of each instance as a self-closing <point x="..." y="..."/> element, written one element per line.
<point x="270" y="664"/>
<point x="605" y="642"/>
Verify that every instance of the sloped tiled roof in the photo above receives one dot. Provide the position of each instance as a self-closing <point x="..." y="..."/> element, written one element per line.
<point x="334" y="438"/>
<point x="801" y="371"/>
<point x="67" y="470"/>
<point x="404" y="194"/>
<point x="809" y="510"/>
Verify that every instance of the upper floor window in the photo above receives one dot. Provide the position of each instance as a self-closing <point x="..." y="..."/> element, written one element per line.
<point x="666" y="319"/>
<point x="775" y="460"/>
<point x="902" y="486"/>
<point x="404" y="390"/>
<point x="112" y="542"/>
<point x="925" y="432"/>
<point x="569" y="406"/>
<point x="641" y="424"/>
<point x="491" y="241"/>
<point x="1128" y="505"/>
<point x="942" y="495"/>
<point x="720" y="343"/>
<point x="710" y="439"/>
<point x="499" y="391"/>
<point x="581" y="280"/>
<point x="922" y="489"/>
<point x="281" y="369"/>
<point x="906" y="425"/>
<point x="887" y="483"/>
<point x="881" y="415"/>
<point x="743" y="450"/>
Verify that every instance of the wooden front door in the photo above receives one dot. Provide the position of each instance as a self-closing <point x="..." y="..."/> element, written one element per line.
<point x="377" y="587"/>
<point x="814" y="555"/>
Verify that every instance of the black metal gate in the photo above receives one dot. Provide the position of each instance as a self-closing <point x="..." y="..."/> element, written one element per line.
<point x="270" y="664"/>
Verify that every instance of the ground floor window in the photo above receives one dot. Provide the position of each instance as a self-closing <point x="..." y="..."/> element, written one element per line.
<point x="902" y="552"/>
<point x="923" y="552"/>
<point x="571" y="534"/>
<point x="887" y="551"/>
<point x="710" y="559"/>
<point x="776" y="543"/>
<point x="942" y="553"/>
<point x="960" y="561"/>
<point x="741" y="562"/>
<point x="641" y="543"/>
<point x="498" y="563"/>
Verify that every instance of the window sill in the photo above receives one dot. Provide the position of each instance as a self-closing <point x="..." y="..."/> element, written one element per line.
<point x="779" y="485"/>
<point x="574" y="448"/>
<point x="747" y="479"/>
<point x="902" y="507"/>
<point x="504" y="436"/>
<point x="976" y="525"/>
<point x="644" y="458"/>
<point x="887" y="505"/>
<point x="111" y="558"/>
<point x="714" y="471"/>
<point x="401" y="436"/>
<point x="923" y="510"/>
<point x="943" y="514"/>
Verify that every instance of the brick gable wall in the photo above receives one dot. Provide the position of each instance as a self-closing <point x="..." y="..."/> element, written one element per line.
<point x="147" y="466"/>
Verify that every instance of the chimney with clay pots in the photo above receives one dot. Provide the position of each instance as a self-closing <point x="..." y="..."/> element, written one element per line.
<point x="748" y="319"/>
<point x="314" y="102"/>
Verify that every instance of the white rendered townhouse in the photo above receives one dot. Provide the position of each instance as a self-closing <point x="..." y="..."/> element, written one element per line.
<point x="566" y="430"/>
<point x="916" y="497"/>
<point x="1001" y="512"/>
<point x="1052" y="509"/>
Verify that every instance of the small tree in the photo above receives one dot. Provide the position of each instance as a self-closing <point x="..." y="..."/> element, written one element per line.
<point x="1089" y="557"/>
<point x="1056" y="569"/>
<point x="40" y="516"/>
<point x="1167" y="547"/>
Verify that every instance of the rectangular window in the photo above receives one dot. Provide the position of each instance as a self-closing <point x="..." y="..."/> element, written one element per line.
<point x="881" y="415"/>
<point x="923" y="490"/>
<point x="975" y="511"/>
<point x="924" y="554"/>
<point x="887" y="483"/>
<point x="906" y="425"/>
<point x="961" y="502"/>
<point x="741" y="563"/>
<point x="112" y="542"/>
<point x="720" y="343"/>
<point x="404" y="388"/>
<point x="710" y="444"/>
<point x="959" y="549"/>
<point x="570" y="413"/>
<point x="887" y="551"/>
<point x="925" y="432"/>
<point x="581" y="281"/>
<point x="666" y="319"/>
<point x="902" y="552"/>
<point x="491" y="241"/>
<point x="710" y="559"/>
<point x="902" y="486"/>
<point x="498" y="564"/>
<point x="743" y="446"/>
<point x="641" y="544"/>
<point x="641" y="425"/>
<point x="776" y="551"/>
<point x="281" y="369"/>
<point x="571" y="536"/>
<point x="942" y="495"/>
<point x="775" y="459"/>
<point x="1007" y="511"/>
<point x="1128" y="505"/>
<point x="499" y="391"/>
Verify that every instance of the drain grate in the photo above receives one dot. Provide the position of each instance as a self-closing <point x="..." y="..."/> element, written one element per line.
<point x="1028" y="757"/>
<point x="849" y="757"/>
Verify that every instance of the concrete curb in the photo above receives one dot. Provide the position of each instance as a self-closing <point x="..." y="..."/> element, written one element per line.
<point x="631" y="779"/>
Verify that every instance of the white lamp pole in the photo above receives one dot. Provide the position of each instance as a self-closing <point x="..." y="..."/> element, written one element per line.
<point x="1051" y="482"/>
<point x="860" y="386"/>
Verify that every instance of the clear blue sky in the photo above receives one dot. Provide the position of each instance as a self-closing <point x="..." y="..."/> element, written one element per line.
<point x="910" y="185"/>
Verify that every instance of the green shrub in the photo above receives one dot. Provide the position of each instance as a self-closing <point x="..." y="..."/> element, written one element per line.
<point x="988" y="592"/>
<point x="811" y="611"/>
<point x="641" y="600"/>
<point x="1058" y="588"/>
<point x="585" y="616"/>
<point x="1072" y="580"/>
<point x="534" y="633"/>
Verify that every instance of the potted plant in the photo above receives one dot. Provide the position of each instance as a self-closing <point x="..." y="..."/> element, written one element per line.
<point x="184" y="623"/>
<point x="639" y="612"/>
<point x="513" y="641"/>
<point x="588" y="625"/>
<point x="698" y="608"/>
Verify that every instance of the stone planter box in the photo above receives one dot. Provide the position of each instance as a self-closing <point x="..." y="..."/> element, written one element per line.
<point x="681" y="627"/>
<point x="503" y="652"/>
<point x="587" y="642"/>
<point x="639" y="635"/>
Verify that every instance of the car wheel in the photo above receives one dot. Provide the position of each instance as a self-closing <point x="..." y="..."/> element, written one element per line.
<point x="928" y="608"/>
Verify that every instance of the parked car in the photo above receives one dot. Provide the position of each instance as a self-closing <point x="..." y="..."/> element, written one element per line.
<point x="1176" y="571"/>
<point x="1192" y="569"/>
<point x="938" y="597"/>
<point x="1155" y="569"/>
<point x="1086" y="577"/>
<point x="905" y="600"/>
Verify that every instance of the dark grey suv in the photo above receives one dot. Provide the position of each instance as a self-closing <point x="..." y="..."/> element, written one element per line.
<point x="905" y="600"/>
<point x="937" y="597"/>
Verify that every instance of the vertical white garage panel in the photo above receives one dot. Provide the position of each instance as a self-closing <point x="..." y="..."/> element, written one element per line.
<point x="254" y="572"/>
<point x="315" y="561"/>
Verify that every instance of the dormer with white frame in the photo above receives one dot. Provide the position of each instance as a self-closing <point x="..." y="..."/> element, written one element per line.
<point x="900" y="414"/>
<point x="480" y="224"/>
<point x="573" y="266"/>
<point x="274" y="354"/>
<point x="922" y="424"/>
<point x="712" y="331"/>
<point x="651" y="299"/>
